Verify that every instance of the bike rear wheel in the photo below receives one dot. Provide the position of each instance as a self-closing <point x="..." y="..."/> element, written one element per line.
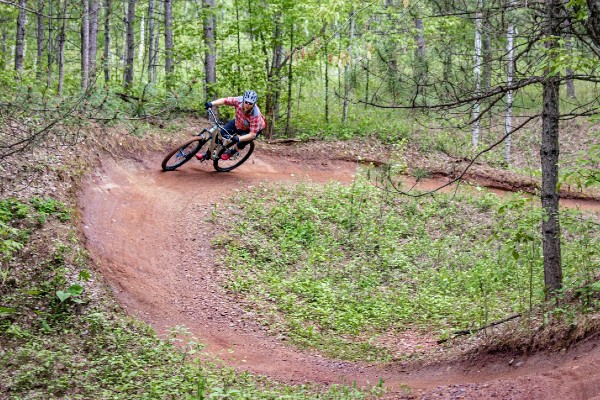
<point x="182" y="154"/>
<point x="235" y="160"/>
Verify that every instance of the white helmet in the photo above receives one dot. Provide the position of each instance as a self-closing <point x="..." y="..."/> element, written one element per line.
<point x="250" y="96"/>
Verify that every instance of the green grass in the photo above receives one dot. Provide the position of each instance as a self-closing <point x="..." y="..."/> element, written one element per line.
<point x="331" y="266"/>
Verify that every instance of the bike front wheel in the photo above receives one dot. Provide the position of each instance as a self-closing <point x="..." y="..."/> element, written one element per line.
<point x="182" y="154"/>
<point x="235" y="160"/>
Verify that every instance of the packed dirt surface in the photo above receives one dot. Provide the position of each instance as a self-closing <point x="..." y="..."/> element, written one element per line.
<point x="150" y="234"/>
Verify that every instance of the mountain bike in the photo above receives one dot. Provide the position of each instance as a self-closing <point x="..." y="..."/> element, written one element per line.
<point x="214" y="140"/>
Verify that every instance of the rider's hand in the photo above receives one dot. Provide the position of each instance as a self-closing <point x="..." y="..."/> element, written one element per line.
<point x="208" y="105"/>
<point x="235" y="139"/>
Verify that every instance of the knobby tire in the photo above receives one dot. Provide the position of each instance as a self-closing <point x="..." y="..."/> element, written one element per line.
<point x="235" y="161"/>
<point x="182" y="154"/>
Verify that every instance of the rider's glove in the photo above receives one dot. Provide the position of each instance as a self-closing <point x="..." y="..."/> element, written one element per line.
<point x="208" y="104"/>
<point x="235" y="139"/>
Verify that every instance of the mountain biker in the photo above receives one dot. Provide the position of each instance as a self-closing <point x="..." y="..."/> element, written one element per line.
<point x="248" y="122"/>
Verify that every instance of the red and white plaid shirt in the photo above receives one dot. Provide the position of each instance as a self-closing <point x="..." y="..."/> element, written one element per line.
<point x="253" y="121"/>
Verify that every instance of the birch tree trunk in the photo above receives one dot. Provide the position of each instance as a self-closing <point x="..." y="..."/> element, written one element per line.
<point x="130" y="44"/>
<point x="40" y="40"/>
<point x="106" y="50"/>
<point x="510" y="71"/>
<point x="169" y="43"/>
<point x="549" y="155"/>
<point x="210" y="56"/>
<point x="477" y="72"/>
<point x="85" y="43"/>
<point x="20" y="39"/>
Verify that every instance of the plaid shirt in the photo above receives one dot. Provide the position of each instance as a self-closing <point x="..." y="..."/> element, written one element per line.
<point x="253" y="122"/>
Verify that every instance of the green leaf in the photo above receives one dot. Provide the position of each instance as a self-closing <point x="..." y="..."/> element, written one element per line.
<point x="62" y="296"/>
<point x="75" y="290"/>
<point x="7" y="310"/>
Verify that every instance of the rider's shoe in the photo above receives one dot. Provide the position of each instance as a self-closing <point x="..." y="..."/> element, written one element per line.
<point x="203" y="156"/>
<point x="228" y="154"/>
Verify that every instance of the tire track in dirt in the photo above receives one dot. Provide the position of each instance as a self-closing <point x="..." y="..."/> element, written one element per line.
<point x="149" y="233"/>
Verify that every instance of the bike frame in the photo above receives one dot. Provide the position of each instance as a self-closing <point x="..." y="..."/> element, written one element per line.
<point x="216" y="139"/>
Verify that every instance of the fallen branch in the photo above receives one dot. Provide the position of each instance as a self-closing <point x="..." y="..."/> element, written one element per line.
<point x="470" y="331"/>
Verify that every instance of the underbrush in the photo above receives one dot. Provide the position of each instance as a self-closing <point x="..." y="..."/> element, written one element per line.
<point x="62" y="336"/>
<point x="335" y="267"/>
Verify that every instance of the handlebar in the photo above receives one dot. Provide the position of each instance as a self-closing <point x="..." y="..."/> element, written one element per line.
<point x="216" y="121"/>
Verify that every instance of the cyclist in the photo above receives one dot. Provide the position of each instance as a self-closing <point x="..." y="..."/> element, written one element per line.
<point x="248" y="122"/>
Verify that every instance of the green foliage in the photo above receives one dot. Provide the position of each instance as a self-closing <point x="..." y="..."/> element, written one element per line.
<point x="98" y="356"/>
<point x="329" y="266"/>
<point x="585" y="172"/>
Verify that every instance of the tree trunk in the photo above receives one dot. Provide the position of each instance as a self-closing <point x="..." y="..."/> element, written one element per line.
<point x="549" y="156"/>
<point x="420" y="63"/>
<point x="169" y="43"/>
<point x="94" y="11"/>
<point x="85" y="43"/>
<point x="273" y="77"/>
<point x="61" y="48"/>
<point x="239" y="44"/>
<point x="20" y="39"/>
<point x="50" y="50"/>
<point x="569" y="83"/>
<point x="347" y="66"/>
<point x="130" y="44"/>
<point x="106" y="52"/>
<point x="40" y="40"/>
<point x="210" y="56"/>
<point x="510" y="71"/>
<point x="326" y="82"/>
<point x="290" y="81"/>
<point x="150" y="44"/>
<point x="3" y="45"/>
<point x="477" y="72"/>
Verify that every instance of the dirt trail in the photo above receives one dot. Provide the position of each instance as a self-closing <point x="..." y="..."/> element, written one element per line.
<point x="149" y="233"/>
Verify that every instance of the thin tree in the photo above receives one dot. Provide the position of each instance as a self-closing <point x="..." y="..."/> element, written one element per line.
<point x="93" y="37"/>
<point x="85" y="43"/>
<point x="290" y="82"/>
<point x="210" y="56"/>
<point x="150" y="44"/>
<point x="20" y="39"/>
<point x="477" y="72"/>
<point x="40" y="40"/>
<point x="62" y="37"/>
<point x="130" y="44"/>
<point x="510" y="72"/>
<point x="106" y="50"/>
<point x="169" y="66"/>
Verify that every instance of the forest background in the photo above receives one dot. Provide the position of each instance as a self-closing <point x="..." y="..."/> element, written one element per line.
<point x="481" y="81"/>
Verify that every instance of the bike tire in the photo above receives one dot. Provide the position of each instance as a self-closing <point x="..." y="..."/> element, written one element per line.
<point x="182" y="154"/>
<point x="235" y="161"/>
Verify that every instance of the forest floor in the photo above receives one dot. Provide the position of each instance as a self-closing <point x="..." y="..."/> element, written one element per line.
<point x="149" y="233"/>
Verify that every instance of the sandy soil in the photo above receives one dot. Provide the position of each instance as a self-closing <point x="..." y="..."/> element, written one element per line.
<point x="149" y="233"/>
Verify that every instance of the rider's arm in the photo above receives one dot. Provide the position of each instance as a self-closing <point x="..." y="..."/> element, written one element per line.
<point x="218" y="102"/>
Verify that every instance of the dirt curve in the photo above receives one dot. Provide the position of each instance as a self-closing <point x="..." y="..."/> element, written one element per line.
<point x="149" y="233"/>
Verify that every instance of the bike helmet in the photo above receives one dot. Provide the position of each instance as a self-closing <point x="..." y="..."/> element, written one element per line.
<point x="250" y="96"/>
